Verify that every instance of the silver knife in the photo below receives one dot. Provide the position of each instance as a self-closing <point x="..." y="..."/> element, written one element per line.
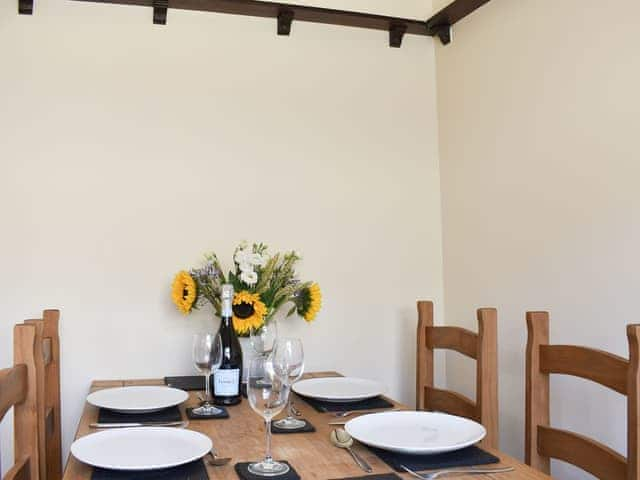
<point x="139" y="424"/>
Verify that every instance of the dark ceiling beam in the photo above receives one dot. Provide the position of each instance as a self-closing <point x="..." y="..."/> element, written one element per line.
<point x="25" y="7"/>
<point x="285" y="13"/>
<point x="439" y="25"/>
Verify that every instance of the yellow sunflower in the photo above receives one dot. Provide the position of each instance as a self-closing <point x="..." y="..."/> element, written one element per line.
<point x="184" y="291"/>
<point x="248" y="311"/>
<point x="309" y="302"/>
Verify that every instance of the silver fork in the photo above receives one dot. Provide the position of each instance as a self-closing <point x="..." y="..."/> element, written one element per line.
<point x="458" y="471"/>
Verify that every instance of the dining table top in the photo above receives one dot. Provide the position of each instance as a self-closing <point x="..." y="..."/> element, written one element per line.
<point x="242" y="437"/>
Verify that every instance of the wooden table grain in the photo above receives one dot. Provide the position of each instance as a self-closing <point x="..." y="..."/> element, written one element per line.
<point x="242" y="437"/>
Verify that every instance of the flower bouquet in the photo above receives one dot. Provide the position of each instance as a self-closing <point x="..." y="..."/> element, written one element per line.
<point x="263" y="284"/>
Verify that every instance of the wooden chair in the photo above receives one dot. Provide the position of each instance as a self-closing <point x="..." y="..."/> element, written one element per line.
<point x="542" y="442"/>
<point x="18" y="390"/>
<point x="47" y="358"/>
<point x="482" y="347"/>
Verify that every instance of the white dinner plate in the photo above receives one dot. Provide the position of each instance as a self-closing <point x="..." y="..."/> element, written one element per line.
<point x="146" y="448"/>
<point x="415" y="432"/>
<point x="338" y="389"/>
<point x="143" y="399"/>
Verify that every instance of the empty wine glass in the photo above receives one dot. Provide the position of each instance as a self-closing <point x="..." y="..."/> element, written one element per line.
<point x="263" y="338"/>
<point x="267" y="396"/>
<point x="207" y="357"/>
<point x="288" y="363"/>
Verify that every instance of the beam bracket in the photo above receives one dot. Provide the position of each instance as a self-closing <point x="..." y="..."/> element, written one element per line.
<point x="160" y="11"/>
<point x="285" y="18"/>
<point x="442" y="31"/>
<point x="25" y="7"/>
<point x="396" y="33"/>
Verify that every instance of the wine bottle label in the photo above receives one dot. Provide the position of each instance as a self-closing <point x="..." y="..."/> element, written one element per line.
<point x="226" y="383"/>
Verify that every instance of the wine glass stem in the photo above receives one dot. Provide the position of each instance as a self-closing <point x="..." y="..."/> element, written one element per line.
<point x="207" y="396"/>
<point x="268" y="458"/>
<point x="290" y="407"/>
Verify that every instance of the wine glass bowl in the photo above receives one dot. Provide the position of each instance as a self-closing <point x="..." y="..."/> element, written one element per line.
<point x="263" y="338"/>
<point x="288" y="364"/>
<point x="207" y="357"/>
<point x="267" y="394"/>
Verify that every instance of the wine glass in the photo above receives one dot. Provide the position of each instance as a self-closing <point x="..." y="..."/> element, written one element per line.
<point x="267" y="396"/>
<point x="288" y="363"/>
<point x="263" y="338"/>
<point x="207" y="357"/>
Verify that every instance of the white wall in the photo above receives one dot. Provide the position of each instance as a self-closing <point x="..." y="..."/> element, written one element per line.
<point x="128" y="149"/>
<point x="538" y="111"/>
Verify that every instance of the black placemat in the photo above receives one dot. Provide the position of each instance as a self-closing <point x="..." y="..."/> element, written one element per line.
<point x="171" y="414"/>
<point x="384" y="476"/>
<point x="308" y="427"/>
<point x="186" y="382"/>
<point x="190" y="471"/>
<point x="368" y="404"/>
<point x="467" y="457"/>
<point x="192" y="416"/>
<point x="243" y="472"/>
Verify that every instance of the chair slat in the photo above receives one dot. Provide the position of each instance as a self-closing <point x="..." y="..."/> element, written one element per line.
<point x="453" y="338"/>
<point x="595" y="365"/>
<point x="13" y="387"/>
<point x="450" y="402"/>
<point x="589" y="455"/>
<point x="21" y="470"/>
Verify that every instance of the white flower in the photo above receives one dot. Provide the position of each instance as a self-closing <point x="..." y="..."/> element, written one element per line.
<point x="242" y="256"/>
<point x="250" y="278"/>
<point x="246" y="267"/>
<point x="258" y="260"/>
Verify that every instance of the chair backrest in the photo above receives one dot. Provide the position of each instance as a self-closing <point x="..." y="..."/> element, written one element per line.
<point x="542" y="442"/>
<point x="481" y="346"/>
<point x="47" y="358"/>
<point x="18" y="390"/>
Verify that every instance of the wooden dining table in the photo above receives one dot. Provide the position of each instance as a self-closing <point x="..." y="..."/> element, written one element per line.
<point x="242" y="437"/>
